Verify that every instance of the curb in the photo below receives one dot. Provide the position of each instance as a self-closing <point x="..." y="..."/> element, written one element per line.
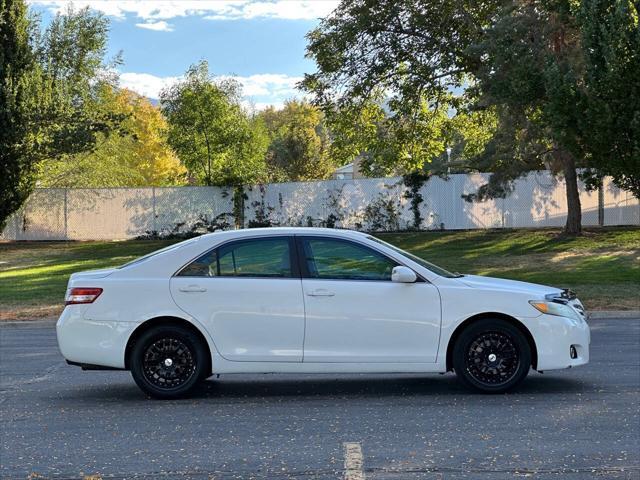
<point x="28" y="323"/>
<point x="606" y="314"/>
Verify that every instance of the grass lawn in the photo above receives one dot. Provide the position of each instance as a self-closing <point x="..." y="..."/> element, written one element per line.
<point x="602" y="266"/>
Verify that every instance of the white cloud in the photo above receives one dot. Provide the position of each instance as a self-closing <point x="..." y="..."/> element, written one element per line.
<point x="273" y="84"/>
<point x="251" y="106"/>
<point x="159" y="26"/>
<point x="283" y="9"/>
<point x="145" y="84"/>
<point x="261" y="90"/>
<point x="210" y="9"/>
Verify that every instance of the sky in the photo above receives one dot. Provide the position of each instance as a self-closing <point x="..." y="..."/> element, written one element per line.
<point x="261" y="43"/>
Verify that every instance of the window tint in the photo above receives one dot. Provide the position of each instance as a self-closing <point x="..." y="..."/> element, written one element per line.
<point x="338" y="259"/>
<point x="204" y="266"/>
<point x="265" y="257"/>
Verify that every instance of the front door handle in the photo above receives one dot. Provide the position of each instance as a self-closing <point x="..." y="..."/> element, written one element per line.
<point x="193" y="289"/>
<point x="320" y="292"/>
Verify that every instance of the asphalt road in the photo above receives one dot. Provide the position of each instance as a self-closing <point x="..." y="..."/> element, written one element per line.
<point x="60" y="422"/>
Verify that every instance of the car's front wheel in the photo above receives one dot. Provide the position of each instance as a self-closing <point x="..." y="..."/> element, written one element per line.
<point x="168" y="361"/>
<point x="491" y="355"/>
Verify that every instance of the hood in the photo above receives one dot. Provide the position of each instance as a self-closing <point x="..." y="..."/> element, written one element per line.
<point x="476" y="281"/>
<point x="89" y="274"/>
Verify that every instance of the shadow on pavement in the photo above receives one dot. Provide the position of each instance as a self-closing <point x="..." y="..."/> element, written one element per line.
<point x="278" y="387"/>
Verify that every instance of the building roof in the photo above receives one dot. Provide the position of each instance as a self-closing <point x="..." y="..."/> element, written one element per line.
<point x="348" y="168"/>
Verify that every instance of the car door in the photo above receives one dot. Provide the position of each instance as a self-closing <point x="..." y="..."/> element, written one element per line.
<point x="356" y="313"/>
<point x="248" y="295"/>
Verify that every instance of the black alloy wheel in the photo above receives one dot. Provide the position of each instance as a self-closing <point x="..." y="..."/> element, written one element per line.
<point x="168" y="361"/>
<point x="492" y="356"/>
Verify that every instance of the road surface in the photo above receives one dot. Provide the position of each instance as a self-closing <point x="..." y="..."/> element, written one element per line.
<point x="60" y="422"/>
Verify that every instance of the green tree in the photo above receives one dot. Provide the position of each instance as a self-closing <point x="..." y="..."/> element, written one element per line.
<point x="298" y="147"/>
<point x="50" y="83"/>
<point x="398" y="138"/>
<point x="610" y="36"/>
<point x="530" y="66"/>
<point x="524" y="61"/>
<point x="18" y="86"/>
<point x="72" y="56"/>
<point x="354" y="131"/>
<point x="218" y="142"/>
<point x="140" y="156"/>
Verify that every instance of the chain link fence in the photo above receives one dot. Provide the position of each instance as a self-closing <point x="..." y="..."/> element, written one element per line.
<point x="378" y="204"/>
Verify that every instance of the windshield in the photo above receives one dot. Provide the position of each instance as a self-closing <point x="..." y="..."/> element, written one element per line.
<point x="428" y="265"/>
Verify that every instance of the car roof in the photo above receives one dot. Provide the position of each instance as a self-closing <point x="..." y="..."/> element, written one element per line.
<point x="167" y="260"/>
<point x="253" y="232"/>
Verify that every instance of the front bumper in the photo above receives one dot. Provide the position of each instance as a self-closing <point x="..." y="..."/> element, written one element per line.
<point x="554" y="336"/>
<point x="91" y="342"/>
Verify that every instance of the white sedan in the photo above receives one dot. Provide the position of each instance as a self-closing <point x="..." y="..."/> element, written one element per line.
<point x="309" y="300"/>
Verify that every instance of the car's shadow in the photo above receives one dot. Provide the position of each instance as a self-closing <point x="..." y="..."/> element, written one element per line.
<point x="278" y="388"/>
<point x="368" y="386"/>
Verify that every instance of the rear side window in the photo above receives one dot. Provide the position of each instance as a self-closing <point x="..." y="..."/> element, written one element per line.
<point x="204" y="266"/>
<point x="328" y="258"/>
<point x="263" y="257"/>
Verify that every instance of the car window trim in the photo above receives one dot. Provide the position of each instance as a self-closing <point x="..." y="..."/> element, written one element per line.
<point x="293" y="259"/>
<point x="302" y="264"/>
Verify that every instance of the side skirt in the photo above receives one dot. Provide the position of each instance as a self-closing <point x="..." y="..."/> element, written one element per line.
<point x="222" y="366"/>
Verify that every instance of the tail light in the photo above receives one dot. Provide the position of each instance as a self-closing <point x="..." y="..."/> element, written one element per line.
<point x="82" y="295"/>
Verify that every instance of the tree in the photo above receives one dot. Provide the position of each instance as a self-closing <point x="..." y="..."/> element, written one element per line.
<point x="138" y="156"/>
<point x="18" y="79"/>
<point x="468" y="135"/>
<point x="215" y="138"/>
<point x="610" y="36"/>
<point x="49" y="89"/>
<point x="354" y="131"/>
<point x="524" y="61"/>
<point x="299" y="142"/>
<point x="530" y="67"/>
<point x="398" y="139"/>
<point x="72" y="56"/>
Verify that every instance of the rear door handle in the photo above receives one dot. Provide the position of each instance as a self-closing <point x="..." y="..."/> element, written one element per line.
<point x="320" y="292"/>
<point x="193" y="289"/>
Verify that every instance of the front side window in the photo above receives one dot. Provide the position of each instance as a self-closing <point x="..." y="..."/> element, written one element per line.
<point x="264" y="257"/>
<point x="420" y="261"/>
<point x="327" y="258"/>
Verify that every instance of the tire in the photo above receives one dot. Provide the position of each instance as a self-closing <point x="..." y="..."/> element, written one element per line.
<point x="169" y="361"/>
<point x="491" y="356"/>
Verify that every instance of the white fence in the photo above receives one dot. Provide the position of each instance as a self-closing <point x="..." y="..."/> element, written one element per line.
<point x="368" y="204"/>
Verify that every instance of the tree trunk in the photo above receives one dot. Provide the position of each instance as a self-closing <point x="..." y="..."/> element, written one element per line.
<point x="574" y="209"/>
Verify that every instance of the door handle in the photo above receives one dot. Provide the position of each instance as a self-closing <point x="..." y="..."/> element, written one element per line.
<point x="193" y="289"/>
<point x="320" y="292"/>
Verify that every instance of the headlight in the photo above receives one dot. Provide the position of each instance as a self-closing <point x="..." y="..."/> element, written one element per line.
<point x="553" y="308"/>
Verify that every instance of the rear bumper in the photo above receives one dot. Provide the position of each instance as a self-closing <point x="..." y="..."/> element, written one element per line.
<point x="554" y="337"/>
<point x="88" y="366"/>
<point x="91" y="342"/>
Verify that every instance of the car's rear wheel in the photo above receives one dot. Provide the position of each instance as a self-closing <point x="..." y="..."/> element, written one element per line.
<point x="168" y="361"/>
<point x="491" y="355"/>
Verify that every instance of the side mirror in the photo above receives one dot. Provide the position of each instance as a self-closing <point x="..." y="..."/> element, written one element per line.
<point x="403" y="274"/>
